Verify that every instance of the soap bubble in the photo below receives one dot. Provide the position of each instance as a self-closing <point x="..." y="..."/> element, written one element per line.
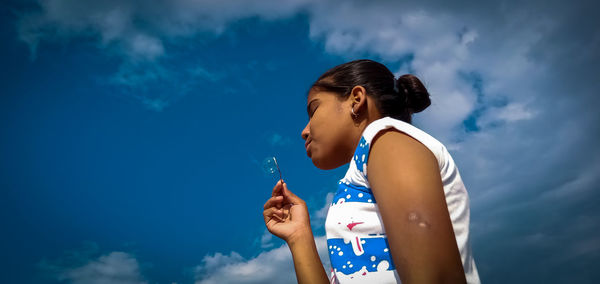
<point x="270" y="167"/>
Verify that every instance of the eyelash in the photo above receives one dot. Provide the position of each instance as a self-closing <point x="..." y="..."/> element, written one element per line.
<point x="313" y="111"/>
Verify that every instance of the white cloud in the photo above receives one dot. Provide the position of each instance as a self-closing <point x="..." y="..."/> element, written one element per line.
<point x="112" y="268"/>
<point x="137" y="30"/>
<point x="321" y="214"/>
<point x="439" y="44"/>
<point x="145" y="46"/>
<point x="276" y="139"/>
<point x="273" y="266"/>
<point x="512" y="112"/>
<point x="266" y="240"/>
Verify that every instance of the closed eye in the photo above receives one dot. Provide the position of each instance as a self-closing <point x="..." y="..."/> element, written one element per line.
<point x="313" y="111"/>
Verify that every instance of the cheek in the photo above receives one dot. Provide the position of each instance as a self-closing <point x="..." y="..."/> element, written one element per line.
<point x="328" y="127"/>
<point x="329" y="135"/>
<point x="339" y="109"/>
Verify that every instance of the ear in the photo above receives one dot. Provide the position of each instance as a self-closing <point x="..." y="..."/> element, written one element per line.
<point x="358" y="99"/>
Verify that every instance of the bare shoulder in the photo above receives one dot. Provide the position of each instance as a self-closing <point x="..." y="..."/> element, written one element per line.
<point x="401" y="168"/>
<point x="393" y="149"/>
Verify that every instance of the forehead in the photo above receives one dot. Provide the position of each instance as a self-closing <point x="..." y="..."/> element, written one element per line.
<point x="321" y="95"/>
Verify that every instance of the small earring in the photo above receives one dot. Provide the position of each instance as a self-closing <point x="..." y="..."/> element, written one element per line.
<point x="354" y="114"/>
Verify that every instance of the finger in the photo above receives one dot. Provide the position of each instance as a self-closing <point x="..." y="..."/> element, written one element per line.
<point x="291" y="196"/>
<point x="273" y="213"/>
<point x="274" y="201"/>
<point x="276" y="219"/>
<point x="269" y="212"/>
<point x="279" y="219"/>
<point x="286" y="211"/>
<point x="277" y="188"/>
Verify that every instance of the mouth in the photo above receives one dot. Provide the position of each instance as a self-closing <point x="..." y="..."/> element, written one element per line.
<point x="306" y="145"/>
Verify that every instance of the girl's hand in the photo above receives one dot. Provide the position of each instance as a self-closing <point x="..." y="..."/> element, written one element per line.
<point x="286" y="215"/>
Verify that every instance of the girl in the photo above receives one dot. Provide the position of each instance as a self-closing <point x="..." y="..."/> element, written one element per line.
<point x="405" y="217"/>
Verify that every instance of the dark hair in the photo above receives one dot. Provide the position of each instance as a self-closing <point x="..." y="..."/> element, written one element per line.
<point x="395" y="98"/>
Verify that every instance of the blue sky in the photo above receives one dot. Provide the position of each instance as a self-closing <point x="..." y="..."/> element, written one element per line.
<point x="132" y="135"/>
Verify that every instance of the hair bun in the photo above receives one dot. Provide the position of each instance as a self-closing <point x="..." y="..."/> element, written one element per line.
<point x="417" y="96"/>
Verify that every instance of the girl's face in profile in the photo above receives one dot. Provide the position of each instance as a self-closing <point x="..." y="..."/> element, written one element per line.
<point x="330" y="133"/>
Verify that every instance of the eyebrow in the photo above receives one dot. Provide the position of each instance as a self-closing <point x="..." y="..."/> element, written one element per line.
<point x="308" y="106"/>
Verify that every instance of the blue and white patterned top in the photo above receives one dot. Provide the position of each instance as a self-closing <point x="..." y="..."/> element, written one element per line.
<point x="356" y="240"/>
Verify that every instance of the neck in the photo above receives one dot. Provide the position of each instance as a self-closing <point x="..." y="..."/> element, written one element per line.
<point x="360" y="126"/>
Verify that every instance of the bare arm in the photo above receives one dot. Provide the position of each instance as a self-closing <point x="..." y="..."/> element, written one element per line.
<point x="286" y="216"/>
<point x="404" y="176"/>
<point x="308" y="265"/>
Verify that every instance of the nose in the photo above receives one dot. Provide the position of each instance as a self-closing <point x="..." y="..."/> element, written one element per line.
<point x="305" y="131"/>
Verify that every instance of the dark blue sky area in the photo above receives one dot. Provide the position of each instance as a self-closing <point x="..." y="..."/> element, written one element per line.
<point x="132" y="136"/>
<point x="83" y="162"/>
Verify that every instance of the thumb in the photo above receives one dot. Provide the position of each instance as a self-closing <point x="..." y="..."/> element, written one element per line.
<point x="290" y="196"/>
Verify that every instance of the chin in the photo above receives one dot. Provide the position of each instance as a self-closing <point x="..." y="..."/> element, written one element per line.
<point x="324" y="163"/>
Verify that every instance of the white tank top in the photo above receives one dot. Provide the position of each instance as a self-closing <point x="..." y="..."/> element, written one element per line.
<point x="356" y="241"/>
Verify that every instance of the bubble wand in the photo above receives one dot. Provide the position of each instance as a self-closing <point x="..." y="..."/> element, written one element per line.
<point x="268" y="166"/>
<point x="276" y="164"/>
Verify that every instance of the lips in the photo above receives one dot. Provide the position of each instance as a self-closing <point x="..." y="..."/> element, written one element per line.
<point x="307" y="143"/>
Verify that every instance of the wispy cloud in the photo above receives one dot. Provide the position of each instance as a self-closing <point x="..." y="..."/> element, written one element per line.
<point x="84" y="267"/>
<point x="115" y="268"/>
<point x="276" y="139"/>
<point x="156" y="85"/>
<point x="137" y="31"/>
<point x="266" y="240"/>
<point x="272" y="266"/>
